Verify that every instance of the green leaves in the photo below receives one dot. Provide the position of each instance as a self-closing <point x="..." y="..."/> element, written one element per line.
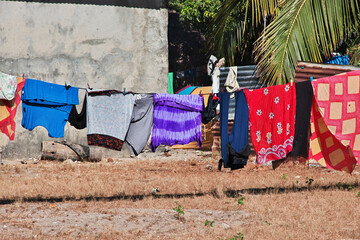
<point x="239" y="200"/>
<point x="209" y="223"/>
<point x="309" y="181"/>
<point x="195" y="13"/>
<point x="179" y="210"/>
<point x="299" y="30"/>
<point x="304" y="30"/>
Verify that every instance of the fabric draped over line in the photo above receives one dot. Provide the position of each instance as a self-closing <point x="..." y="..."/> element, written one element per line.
<point x="302" y="121"/>
<point x="108" y="117"/>
<point x="325" y="148"/>
<point x="272" y="120"/>
<point x="209" y="112"/>
<point x="141" y="123"/>
<point x="338" y="101"/>
<point x="177" y="120"/>
<point x="235" y="149"/>
<point x="8" y="85"/>
<point x="48" y="105"/>
<point x="8" y="111"/>
<point x="78" y="120"/>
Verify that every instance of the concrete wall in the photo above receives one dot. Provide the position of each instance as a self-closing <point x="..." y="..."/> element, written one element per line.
<point x="106" y="46"/>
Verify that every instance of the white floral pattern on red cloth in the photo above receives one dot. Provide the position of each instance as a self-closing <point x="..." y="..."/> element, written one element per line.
<point x="271" y="112"/>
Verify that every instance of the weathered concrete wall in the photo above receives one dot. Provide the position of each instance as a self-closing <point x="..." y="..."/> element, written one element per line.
<point x="108" y="47"/>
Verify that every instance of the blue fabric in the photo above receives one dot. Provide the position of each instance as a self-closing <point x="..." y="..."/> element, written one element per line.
<point x="48" y="105"/>
<point x="187" y="91"/>
<point x="340" y="60"/>
<point x="238" y="138"/>
<point x="224" y="125"/>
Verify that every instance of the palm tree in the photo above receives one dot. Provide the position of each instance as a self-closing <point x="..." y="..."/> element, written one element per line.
<point x="299" y="30"/>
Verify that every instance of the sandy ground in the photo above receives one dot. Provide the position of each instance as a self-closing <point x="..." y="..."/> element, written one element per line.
<point x="61" y="219"/>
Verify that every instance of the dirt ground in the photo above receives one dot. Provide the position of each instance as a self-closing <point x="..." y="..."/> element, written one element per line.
<point x="137" y="198"/>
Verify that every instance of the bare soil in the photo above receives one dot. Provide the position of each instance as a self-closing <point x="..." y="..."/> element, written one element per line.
<point x="134" y="198"/>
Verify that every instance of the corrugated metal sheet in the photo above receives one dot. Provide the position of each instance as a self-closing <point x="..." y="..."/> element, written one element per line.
<point x="305" y="70"/>
<point x="246" y="77"/>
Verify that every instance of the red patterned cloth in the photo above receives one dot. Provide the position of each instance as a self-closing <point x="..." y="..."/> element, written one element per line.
<point x="325" y="148"/>
<point x="105" y="141"/>
<point x="338" y="98"/>
<point x="8" y="111"/>
<point x="272" y="120"/>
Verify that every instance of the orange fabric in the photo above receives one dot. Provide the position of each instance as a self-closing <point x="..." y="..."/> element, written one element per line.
<point x="8" y="111"/>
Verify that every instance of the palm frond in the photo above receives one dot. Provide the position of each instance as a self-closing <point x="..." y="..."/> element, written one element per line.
<point x="222" y="40"/>
<point x="304" y="30"/>
<point x="228" y="40"/>
<point x="261" y="8"/>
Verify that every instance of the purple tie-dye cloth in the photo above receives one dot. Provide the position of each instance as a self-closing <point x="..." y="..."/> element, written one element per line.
<point x="177" y="119"/>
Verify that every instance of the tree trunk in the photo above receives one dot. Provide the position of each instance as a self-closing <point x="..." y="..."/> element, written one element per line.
<point x="61" y="151"/>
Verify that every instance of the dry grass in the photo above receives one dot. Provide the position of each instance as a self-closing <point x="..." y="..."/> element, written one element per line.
<point x="139" y="177"/>
<point x="306" y="215"/>
<point x="314" y="213"/>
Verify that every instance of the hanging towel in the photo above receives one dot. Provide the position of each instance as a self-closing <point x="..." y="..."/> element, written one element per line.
<point x="108" y="116"/>
<point x="338" y="98"/>
<point x="141" y="123"/>
<point x="216" y="80"/>
<point x="231" y="83"/>
<point x="302" y="122"/>
<point x="8" y="111"/>
<point x="272" y="121"/>
<point x="235" y="149"/>
<point x="325" y="148"/>
<point x="78" y="120"/>
<point x="177" y="119"/>
<point x="8" y="86"/>
<point x="48" y="105"/>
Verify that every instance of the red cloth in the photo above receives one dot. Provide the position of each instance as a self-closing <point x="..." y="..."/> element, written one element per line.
<point x="8" y="111"/>
<point x="338" y="98"/>
<point x="325" y="148"/>
<point x="272" y="120"/>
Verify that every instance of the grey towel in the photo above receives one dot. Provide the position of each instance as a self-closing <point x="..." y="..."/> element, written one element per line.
<point x="141" y="123"/>
<point x="109" y="114"/>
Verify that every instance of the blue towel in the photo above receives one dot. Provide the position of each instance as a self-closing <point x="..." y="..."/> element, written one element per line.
<point x="48" y="105"/>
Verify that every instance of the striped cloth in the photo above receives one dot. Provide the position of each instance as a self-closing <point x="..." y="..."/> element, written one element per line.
<point x="177" y="119"/>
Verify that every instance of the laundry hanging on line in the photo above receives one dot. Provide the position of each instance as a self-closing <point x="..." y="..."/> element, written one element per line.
<point x="325" y="148"/>
<point x="235" y="148"/>
<point x="8" y="85"/>
<point x="108" y="117"/>
<point x="337" y="98"/>
<point x="141" y="123"/>
<point x="47" y="105"/>
<point x="302" y="121"/>
<point x="272" y="121"/>
<point x="8" y="111"/>
<point x="177" y="119"/>
<point x="78" y="120"/>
